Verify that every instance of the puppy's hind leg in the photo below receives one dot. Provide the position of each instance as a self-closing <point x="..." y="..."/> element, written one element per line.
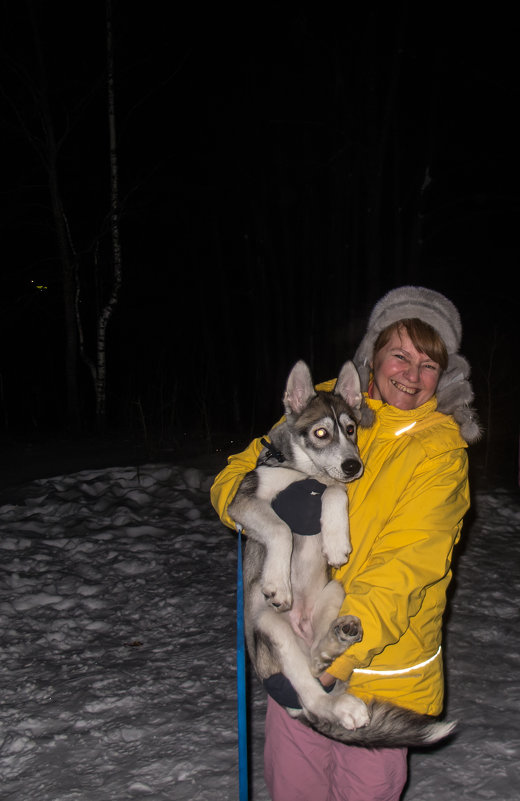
<point x="337" y="707"/>
<point x="343" y="632"/>
<point x="332" y="634"/>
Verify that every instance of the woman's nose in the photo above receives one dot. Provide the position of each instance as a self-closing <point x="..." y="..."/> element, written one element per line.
<point x="412" y="372"/>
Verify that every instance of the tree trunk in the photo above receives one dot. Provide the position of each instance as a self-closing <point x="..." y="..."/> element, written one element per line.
<point x="69" y="303"/>
<point x="49" y="153"/>
<point x="106" y="312"/>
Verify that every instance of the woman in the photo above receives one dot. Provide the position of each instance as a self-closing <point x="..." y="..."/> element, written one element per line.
<point x="405" y="518"/>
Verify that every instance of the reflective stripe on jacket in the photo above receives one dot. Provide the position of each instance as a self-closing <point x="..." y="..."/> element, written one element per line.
<point x="405" y="513"/>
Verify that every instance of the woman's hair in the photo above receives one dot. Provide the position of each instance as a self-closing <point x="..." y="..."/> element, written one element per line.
<point x="424" y="337"/>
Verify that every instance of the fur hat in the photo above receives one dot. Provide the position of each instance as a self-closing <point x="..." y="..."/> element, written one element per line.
<point x="454" y="392"/>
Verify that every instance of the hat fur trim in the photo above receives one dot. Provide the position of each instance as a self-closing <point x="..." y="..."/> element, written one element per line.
<point x="454" y="392"/>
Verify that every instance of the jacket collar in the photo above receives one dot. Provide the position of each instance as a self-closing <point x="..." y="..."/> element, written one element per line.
<point x="399" y="421"/>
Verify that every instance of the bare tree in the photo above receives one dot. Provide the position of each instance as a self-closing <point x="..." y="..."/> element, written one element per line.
<point x="47" y="145"/>
<point x="98" y="364"/>
<point x="31" y="91"/>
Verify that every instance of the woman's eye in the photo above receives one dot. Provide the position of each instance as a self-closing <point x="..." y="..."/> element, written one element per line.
<point x="350" y="429"/>
<point x="321" y="433"/>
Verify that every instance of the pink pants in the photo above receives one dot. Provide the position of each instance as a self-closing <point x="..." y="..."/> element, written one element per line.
<point x="302" y="765"/>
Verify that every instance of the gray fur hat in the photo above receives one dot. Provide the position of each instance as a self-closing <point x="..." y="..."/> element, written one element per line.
<point x="454" y="393"/>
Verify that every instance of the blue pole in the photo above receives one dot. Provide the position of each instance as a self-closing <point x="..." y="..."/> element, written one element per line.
<point x="241" y="680"/>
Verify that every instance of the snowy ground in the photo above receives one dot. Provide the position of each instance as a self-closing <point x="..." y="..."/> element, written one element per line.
<point x="117" y="667"/>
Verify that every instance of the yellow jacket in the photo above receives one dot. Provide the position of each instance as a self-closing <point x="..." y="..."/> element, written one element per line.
<point x="406" y="514"/>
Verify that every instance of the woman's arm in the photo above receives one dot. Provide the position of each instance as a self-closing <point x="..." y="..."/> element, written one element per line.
<point x="411" y="555"/>
<point x="228" y="480"/>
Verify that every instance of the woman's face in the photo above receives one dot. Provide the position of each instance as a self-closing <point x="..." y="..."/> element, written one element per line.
<point x="403" y="376"/>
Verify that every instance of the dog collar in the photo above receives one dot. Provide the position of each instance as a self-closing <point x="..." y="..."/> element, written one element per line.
<point x="272" y="451"/>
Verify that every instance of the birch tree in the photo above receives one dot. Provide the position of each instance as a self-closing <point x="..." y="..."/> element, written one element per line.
<point x="47" y="145"/>
<point x="27" y="90"/>
<point x="98" y="364"/>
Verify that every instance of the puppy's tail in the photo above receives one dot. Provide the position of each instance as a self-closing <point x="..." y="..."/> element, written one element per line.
<point x="390" y="726"/>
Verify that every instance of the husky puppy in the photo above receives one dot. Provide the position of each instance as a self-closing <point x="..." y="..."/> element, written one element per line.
<point x="291" y="605"/>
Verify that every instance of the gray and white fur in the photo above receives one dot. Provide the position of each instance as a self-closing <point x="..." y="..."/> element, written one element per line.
<point x="291" y="605"/>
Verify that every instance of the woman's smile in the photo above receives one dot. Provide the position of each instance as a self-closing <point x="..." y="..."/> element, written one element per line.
<point x="403" y="376"/>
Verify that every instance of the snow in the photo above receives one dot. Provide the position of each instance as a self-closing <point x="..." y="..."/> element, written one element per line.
<point x="117" y="667"/>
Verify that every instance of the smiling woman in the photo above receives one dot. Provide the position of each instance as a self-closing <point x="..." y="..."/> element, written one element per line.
<point x="409" y="357"/>
<point x="405" y="513"/>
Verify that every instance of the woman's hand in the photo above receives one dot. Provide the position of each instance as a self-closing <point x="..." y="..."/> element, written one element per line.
<point x="300" y="506"/>
<point x="327" y="679"/>
<point x="280" y="688"/>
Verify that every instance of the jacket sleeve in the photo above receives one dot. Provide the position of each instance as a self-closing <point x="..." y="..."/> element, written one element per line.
<point x="228" y="480"/>
<point x="410" y="557"/>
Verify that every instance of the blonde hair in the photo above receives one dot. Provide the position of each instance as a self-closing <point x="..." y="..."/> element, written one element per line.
<point x="424" y="338"/>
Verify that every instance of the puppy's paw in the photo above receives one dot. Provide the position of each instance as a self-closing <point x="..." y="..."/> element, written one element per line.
<point x="347" y="630"/>
<point x="351" y="712"/>
<point x="277" y="592"/>
<point x="338" y="559"/>
<point x="336" y="548"/>
<point x="343" y="632"/>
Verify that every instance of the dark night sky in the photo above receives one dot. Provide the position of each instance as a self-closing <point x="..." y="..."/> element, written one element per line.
<point x="280" y="169"/>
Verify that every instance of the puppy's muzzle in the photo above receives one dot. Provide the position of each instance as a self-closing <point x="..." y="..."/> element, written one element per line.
<point x="351" y="467"/>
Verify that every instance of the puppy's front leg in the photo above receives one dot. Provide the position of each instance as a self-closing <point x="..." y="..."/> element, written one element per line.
<point x="334" y="525"/>
<point x="276" y="575"/>
<point x="264" y="526"/>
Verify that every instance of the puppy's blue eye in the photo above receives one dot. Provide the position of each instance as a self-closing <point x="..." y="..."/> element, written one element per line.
<point x="321" y="433"/>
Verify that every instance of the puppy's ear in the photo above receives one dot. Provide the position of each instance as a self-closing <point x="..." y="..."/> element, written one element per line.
<point x="299" y="389"/>
<point x="366" y="416"/>
<point x="349" y="386"/>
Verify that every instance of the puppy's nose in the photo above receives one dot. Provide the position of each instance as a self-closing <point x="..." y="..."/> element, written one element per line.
<point x="350" y="467"/>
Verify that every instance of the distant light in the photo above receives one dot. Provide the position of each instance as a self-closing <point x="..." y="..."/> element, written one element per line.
<point x="40" y="287"/>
